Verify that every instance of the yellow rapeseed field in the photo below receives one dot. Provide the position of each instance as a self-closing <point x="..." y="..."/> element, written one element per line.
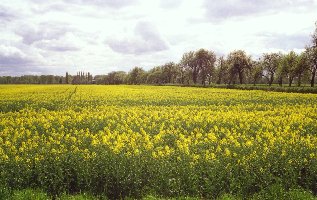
<point x="170" y="141"/>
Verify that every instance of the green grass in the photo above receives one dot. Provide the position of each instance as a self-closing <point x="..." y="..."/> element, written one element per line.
<point x="275" y="88"/>
<point x="34" y="194"/>
<point x="305" y="88"/>
<point x="271" y="193"/>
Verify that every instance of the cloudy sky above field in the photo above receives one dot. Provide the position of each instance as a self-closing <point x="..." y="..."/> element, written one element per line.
<point x="100" y="36"/>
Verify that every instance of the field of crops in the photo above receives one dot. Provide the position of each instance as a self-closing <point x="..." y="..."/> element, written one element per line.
<point x="121" y="141"/>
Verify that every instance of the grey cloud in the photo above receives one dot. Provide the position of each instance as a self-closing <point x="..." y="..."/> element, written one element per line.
<point x="6" y="14"/>
<point x="22" y="70"/>
<point x="13" y="61"/>
<point x="12" y="56"/>
<point x="236" y="8"/>
<point x="147" y="31"/>
<point x="62" y="48"/>
<point x="57" y="45"/>
<point x="284" y="41"/>
<point x="29" y="34"/>
<point x="147" y="39"/>
<point x="103" y="3"/>
<point x="43" y="7"/>
<point x="44" y="31"/>
<point x="171" y="4"/>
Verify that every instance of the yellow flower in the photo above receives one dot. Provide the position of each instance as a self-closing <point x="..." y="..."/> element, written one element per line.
<point x="227" y="152"/>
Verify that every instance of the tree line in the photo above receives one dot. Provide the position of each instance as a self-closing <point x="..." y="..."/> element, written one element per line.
<point x="203" y="67"/>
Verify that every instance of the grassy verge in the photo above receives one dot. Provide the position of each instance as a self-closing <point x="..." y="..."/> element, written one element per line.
<point x="275" y="88"/>
<point x="272" y="192"/>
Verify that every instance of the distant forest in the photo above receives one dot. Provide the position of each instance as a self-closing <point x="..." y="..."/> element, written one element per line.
<point x="203" y="67"/>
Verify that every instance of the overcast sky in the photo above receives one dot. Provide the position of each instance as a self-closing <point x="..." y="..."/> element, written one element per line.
<point x="100" y="36"/>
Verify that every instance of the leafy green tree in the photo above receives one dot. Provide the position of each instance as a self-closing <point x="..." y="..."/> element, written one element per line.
<point x="256" y="71"/>
<point x="116" y="77"/>
<point x="222" y="70"/>
<point x="101" y="79"/>
<point x="200" y="63"/>
<point x="188" y="62"/>
<point x="302" y="65"/>
<point x="312" y="60"/>
<point x="183" y="74"/>
<point x="281" y="72"/>
<point x="238" y="61"/>
<point x="67" y="78"/>
<point x="169" y="72"/>
<point x="270" y="63"/>
<point x="289" y="62"/>
<point x="154" y="76"/>
<point x="312" y="57"/>
<point x="136" y="76"/>
<point x="205" y="60"/>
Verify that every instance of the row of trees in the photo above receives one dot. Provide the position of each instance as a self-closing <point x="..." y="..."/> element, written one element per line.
<point x="203" y="67"/>
<point x="32" y="79"/>
<point x="238" y="67"/>
<point x="79" y="78"/>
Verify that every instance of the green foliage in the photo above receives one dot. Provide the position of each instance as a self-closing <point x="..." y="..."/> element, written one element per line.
<point x="200" y="64"/>
<point x="239" y="62"/>
<point x="272" y="192"/>
<point x="302" y="89"/>
<point x="228" y="197"/>
<point x="5" y="192"/>
<point x="80" y="197"/>
<point x="277" y="191"/>
<point x="29" y="194"/>
<point x="136" y="76"/>
<point x="270" y="62"/>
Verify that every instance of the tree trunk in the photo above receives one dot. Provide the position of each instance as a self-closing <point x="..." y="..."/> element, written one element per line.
<point x="203" y="80"/>
<point x="280" y="81"/>
<point x="299" y="80"/>
<point x="219" y="80"/>
<point x="195" y="74"/>
<point x="231" y="79"/>
<point x="313" y="75"/>
<point x="290" y="81"/>
<point x="182" y="78"/>
<point x="271" y="79"/>
<point x="240" y="77"/>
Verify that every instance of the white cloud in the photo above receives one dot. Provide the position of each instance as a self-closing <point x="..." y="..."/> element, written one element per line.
<point x="146" y="39"/>
<point x="12" y="56"/>
<point x="102" y="36"/>
<point x="236" y="8"/>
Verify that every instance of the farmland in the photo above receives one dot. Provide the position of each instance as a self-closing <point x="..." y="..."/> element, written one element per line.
<point x="131" y="141"/>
